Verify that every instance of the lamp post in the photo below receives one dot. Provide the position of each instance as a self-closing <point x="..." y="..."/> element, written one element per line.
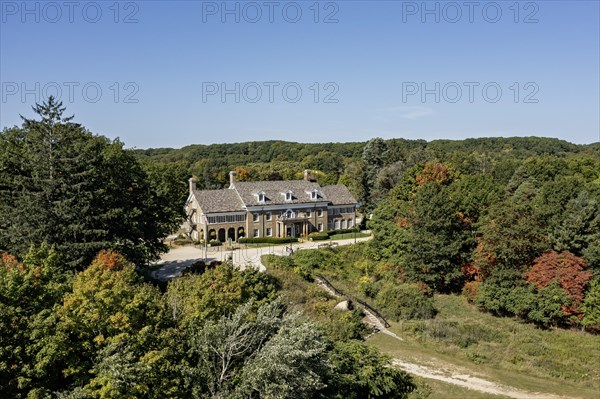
<point x="205" y="239"/>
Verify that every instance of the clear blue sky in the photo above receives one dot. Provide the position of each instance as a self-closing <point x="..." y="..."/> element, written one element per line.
<point x="174" y="58"/>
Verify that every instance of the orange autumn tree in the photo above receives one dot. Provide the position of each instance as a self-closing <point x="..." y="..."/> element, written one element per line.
<point x="436" y="172"/>
<point x="566" y="269"/>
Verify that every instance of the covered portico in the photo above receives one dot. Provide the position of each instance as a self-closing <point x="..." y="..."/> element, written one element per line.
<point x="292" y="227"/>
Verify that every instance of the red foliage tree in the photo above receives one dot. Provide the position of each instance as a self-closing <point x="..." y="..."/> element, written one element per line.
<point x="484" y="261"/>
<point x="565" y="268"/>
<point x="110" y="260"/>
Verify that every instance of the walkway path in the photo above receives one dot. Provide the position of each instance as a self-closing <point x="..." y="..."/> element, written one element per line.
<point x="450" y="374"/>
<point x="173" y="262"/>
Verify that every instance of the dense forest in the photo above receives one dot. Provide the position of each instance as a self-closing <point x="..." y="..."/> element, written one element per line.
<point x="512" y="224"/>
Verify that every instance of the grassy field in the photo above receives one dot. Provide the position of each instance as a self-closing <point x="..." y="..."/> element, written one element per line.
<point x="503" y="350"/>
<point x="433" y="389"/>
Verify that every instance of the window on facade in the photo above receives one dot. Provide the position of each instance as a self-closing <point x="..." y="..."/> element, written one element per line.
<point x="255" y="217"/>
<point x="255" y="233"/>
<point x="343" y="224"/>
<point x="226" y="219"/>
<point x="269" y="216"/>
<point x="269" y="232"/>
<point x="320" y="212"/>
<point x="349" y="223"/>
<point x="308" y="213"/>
<point x="320" y="226"/>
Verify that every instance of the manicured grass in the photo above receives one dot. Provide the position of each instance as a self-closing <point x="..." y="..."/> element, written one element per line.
<point x="260" y="245"/>
<point x="346" y="236"/>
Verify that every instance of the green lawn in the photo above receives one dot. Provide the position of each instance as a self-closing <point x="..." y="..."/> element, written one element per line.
<point x="348" y="235"/>
<point x="260" y="245"/>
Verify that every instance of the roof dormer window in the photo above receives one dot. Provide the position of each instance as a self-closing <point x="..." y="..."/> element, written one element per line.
<point x="261" y="197"/>
<point x="288" y="195"/>
<point x="313" y="194"/>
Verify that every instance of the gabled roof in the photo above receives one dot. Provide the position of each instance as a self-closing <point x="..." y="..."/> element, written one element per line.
<point x="338" y="195"/>
<point x="275" y="190"/>
<point x="245" y="194"/>
<point x="224" y="200"/>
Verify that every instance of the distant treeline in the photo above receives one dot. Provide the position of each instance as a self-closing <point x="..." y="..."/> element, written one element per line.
<point x="367" y="168"/>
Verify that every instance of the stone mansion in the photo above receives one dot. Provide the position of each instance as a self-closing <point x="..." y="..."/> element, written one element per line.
<point x="287" y="208"/>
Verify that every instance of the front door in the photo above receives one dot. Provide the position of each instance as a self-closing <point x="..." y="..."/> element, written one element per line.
<point x="289" y="232"/>
<point x="297" y="230"/>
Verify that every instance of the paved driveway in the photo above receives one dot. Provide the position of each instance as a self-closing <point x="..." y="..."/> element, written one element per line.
<point x="173" y="262"/>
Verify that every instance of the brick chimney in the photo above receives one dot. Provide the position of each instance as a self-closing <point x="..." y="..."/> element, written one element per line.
<point x="192" y="184"/>
<point x="232" y="175"/>
<point x="306" y="174"/>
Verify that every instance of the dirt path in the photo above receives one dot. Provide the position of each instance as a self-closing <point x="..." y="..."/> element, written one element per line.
<point x="468" y="381"/>
<point x="447" y="373"/>
<point x="176" y="260"/>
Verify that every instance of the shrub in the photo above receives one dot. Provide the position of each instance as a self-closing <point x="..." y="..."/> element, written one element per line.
<point x="215" y="243"/>
<point x="278" y="262"/>
<point x="591" y="307"/>
<point x="367" y="287"/>
<point x="505" y="293"/>
<point x="470" y="289"/>
<point x="200" y="267"/>
<point x="267" y="240"/>
<point x="405" y="301"/>
<point x="318" y="236"/>
<point x="549" y="306"/>
<point x="341" y="231"/>
<point x="565" y="268"/>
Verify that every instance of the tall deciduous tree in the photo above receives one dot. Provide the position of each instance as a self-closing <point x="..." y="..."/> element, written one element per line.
<point x="566" y="269"/>
<point x="374" y="157"/>
<point x="28" y="292"/>
<point x="108" y="309"/>
<point x="438" y="244"/>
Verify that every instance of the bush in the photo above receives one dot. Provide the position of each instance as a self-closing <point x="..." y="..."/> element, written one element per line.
<point x="505" y="293"/>
<point x="215" y="243"/>
<point x="405" y="301"/>
<point x="267" y="240"/>
<point x="470" y="289"/>
<point x="200" y="267"/>
<point x="318" y="236"/>
<point x="341" y="231"/>
<point x="591" y="307"/>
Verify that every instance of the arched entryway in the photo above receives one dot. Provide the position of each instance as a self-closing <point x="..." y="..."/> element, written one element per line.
<point x="222" y="235"/>
<point x="231" y="234"/>
<point x="241" y="233"/>
<point x="212" y="234"/>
